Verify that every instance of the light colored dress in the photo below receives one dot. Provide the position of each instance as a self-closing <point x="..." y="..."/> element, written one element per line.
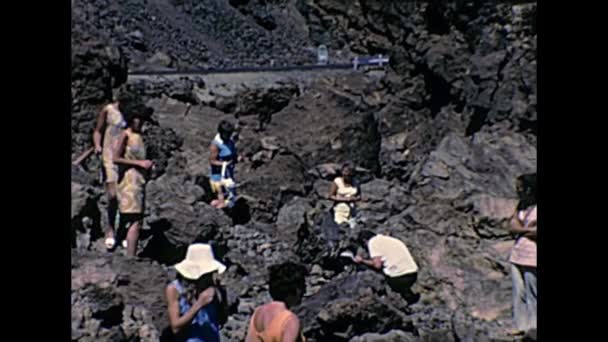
<point x="115" y="123"/>
<point x="131" y="189"/>
<point x="343" y="211"/>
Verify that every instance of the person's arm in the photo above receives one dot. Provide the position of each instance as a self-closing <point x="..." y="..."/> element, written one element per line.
<point x="516" y="226"/>
<point x="177" y="323"/>
<point x="292" y="330"/>
<point x="118" y="152"/>
<point x="214" y="153"/>
<point x="250" y="335"/>
<point x="531" y="234"/>
<point x="375" y="262"/>
<point x="333" y="191"/>
<point x="101" y="119"/>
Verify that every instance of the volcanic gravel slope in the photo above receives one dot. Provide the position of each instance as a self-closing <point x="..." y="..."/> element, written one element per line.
<point x="438" y="138"/>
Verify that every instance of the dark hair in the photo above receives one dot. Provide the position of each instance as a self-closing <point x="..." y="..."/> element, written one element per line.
<point x="138" y="112"/>
<point x="365" y="235"/>
<point x="194" y="287"/>
<point x="205" y="281"/>
<point x="225" y="127"/>
<point x="527" y="194"/>
<point x="285" y="279"/>
<point x="131" y="117"/>
<point x="189" y="286"/>
<point x="122" y="97"/>
<point x="347" y="165"/>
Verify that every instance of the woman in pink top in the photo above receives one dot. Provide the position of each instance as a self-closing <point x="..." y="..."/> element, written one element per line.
<point x="523" y="257"/>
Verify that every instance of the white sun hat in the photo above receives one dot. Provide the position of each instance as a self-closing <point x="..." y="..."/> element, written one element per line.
<point x="199" y="260"/>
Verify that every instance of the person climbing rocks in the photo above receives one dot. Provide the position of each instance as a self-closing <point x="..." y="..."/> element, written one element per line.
<point x="108" y="128"/>
<point x="523" y="257"/>
<point x="274" y="321"/>
<point x="130" y="155"/>
<point x="391" y="256"/>
<point x="222" y="160"/>
<point x="345" y="192"/>
<point x="196" y="302"/>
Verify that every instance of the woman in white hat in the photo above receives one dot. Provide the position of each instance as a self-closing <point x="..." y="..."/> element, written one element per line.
<point x="196" y="302"/>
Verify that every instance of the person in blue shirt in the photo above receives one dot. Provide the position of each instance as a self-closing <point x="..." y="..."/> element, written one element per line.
<point x="196" y="303"/>
<point x="222" y="159"/>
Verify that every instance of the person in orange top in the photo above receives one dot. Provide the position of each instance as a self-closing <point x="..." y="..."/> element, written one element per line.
<point x="523" y="257"/>
<point x="274" y="322"/>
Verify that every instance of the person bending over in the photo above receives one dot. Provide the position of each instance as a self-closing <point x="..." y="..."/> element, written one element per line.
<point x="391" y="256"/>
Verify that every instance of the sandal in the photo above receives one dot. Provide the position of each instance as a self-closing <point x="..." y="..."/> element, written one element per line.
<point x="110" y="242"/>
<point x="516" y="332"/>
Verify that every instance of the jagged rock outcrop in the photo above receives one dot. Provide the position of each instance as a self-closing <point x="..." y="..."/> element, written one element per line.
<point x="438" y="138"/>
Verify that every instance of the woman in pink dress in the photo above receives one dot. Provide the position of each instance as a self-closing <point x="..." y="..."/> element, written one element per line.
<point x="523" y="257"/>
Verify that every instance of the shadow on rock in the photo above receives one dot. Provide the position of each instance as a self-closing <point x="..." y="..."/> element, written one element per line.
<point x="240" y="213"/>
<point x="351" y="306"/>
<point x="159" y="248"/>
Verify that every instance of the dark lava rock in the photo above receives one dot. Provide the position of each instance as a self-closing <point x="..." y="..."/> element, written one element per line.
<point x="113" y="296"/>
<point x="438" y="137"/>
<point x="350" y="306"/>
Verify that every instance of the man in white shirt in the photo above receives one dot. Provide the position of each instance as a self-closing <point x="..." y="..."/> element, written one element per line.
<point x="394" y="259"/>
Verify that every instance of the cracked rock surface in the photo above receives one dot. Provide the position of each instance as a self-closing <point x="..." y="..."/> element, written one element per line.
<point x="438" y="137"/>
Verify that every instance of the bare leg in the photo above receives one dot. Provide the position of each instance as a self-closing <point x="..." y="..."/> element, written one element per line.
<point x="132" y="238"/>
<point x="219" y="202"/>
<point x="112" y="208"/>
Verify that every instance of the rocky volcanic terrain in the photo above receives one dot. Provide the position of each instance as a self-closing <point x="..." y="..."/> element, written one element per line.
<point x="438" y="137"/>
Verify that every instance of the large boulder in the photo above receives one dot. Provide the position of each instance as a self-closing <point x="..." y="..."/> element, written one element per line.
<point x="391" y="336"/>
<point x="86" y="216"/>
<point x="178" y="217"/>
<point x="350" y="306"/>
<point x="115" y="298"/>
<point x="98" y="67"/>
<point x="292" y="217"/>
<point x="273" y="184"/>
<point x="330" y="125"/>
